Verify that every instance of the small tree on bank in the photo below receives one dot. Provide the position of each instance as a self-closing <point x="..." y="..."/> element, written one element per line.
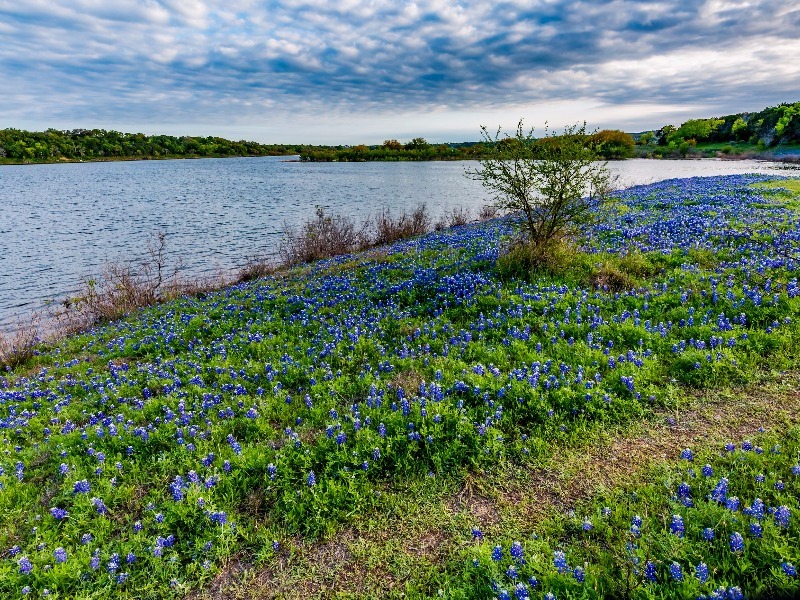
<point x="556" y="182"/>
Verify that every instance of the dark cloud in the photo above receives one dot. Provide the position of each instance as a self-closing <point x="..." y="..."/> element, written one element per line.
<point x="216" y="62"/>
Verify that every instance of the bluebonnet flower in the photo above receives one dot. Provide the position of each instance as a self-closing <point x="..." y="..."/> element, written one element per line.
<point x="59" y="513"/>
<point x="732" y="503"/>
<point x="511" y="572"/>
<point x="756" y="530"/>
<point x="720" y="491"/>
<point x="587" y="525"/>
<point x="517" y="552"/>
<point x="650" y="571"/>
<point x="311" y="479"/>
<point x="676" y="572"/>
<point x="579" y="574"/>
<point x="81" y="487"/>
<point x="521" y="591"/>
<point x="86" y="538"/>
<point x="130" y="558"/>
<point x="477" y="534"/>
<point x="60" y="555"/>
<point x="747" y="445"/>
<point x="272" y="471"/>
<point x="99" y="506"/>
<point x="497" y="553"/>
<point x="113" y="563"/>
<point x="701" y="572"/>
<point x="736" y="542"/>
<point x="779" y="485"/>
<point x="677" y="526"/>
<point x="94" y="563"/>
<point x="782" y="516"/>
<point x="560" y="561"/>
<point x="707" y="470"/>
<point x="687" y="454"/>
<point x="25" y="565"/>
<point x="708" y="534"/>
<point x="789" y="569"/>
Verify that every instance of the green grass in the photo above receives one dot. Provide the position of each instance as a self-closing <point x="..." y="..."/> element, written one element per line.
<point x="342" y="427"/>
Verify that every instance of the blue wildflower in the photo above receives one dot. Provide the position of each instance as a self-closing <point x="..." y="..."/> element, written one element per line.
<point x="782" y="516"/>
<point x="701" y="572"/>
<point x="497" y="553"/>
<point x="677" y="526"/>
<point x="736" y="542"/>
<point x="789" y="569"/>
<point x="676" y="572"/>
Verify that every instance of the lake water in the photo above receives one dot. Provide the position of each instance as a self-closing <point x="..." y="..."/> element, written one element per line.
<point x="60" y="223"/>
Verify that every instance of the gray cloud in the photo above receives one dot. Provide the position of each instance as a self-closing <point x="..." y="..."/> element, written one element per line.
<point x="215" y="64"/>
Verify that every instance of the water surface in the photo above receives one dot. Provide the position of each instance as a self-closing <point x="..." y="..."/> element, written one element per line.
<point x="60" y="223"/>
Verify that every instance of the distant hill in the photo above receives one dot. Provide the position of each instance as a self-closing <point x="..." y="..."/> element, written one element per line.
<point x="773" y="126"/>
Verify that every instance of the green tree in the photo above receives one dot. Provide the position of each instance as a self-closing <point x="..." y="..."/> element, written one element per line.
<point x="417" y="143"/>
<point x="555" y="183"/>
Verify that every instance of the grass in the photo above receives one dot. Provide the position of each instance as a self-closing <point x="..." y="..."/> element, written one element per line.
<point x="342" y="427"/>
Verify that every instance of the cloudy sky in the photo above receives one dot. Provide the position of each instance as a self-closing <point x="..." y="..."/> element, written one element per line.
<point x="354" y="71"/>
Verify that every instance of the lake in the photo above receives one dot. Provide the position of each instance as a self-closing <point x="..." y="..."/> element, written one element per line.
<point x="60" y="223"/>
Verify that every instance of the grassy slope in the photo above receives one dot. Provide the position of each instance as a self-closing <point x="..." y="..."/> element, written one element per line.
<point x="426" y="340"/>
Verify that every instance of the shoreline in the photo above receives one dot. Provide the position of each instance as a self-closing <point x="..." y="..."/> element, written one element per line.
<point x="761" y="156"/>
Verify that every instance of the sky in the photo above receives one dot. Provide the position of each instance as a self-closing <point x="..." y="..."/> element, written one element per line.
<point x="362" y="71"/>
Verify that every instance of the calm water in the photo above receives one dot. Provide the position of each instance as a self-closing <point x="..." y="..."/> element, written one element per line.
<point x="61" y="223"/>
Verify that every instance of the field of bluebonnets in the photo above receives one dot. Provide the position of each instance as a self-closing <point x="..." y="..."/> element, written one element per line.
<point x="140" y="457"/>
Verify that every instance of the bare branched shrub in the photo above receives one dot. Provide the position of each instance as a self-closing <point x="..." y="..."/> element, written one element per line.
<point x="454" y="217"/>
<point x="322" y="237"/>
<point x="19" y="344"/>
<point x="390" y="228"/>
<point x="256" y="268"/>
<point x="488" y="212"/>
<point x="121" y="288"/>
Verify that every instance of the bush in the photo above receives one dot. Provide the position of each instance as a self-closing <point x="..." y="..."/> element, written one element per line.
<point x="323" y="237"/>
<point x="18" y="346"/>
<point x="123" y="287"/>
<point x="454" y="217"/>
<point x="488" y="212"/>
<point x="555" y="183"/>
<point x="390" y="229"/>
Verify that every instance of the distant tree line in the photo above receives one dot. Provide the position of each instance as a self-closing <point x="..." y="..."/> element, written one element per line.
<point x="608" y="144"/>
<point x="53" y="145"/>
<point x="771" y="127"/>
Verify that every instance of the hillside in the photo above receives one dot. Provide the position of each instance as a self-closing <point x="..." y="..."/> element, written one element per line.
<point x="411" y="422"/>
